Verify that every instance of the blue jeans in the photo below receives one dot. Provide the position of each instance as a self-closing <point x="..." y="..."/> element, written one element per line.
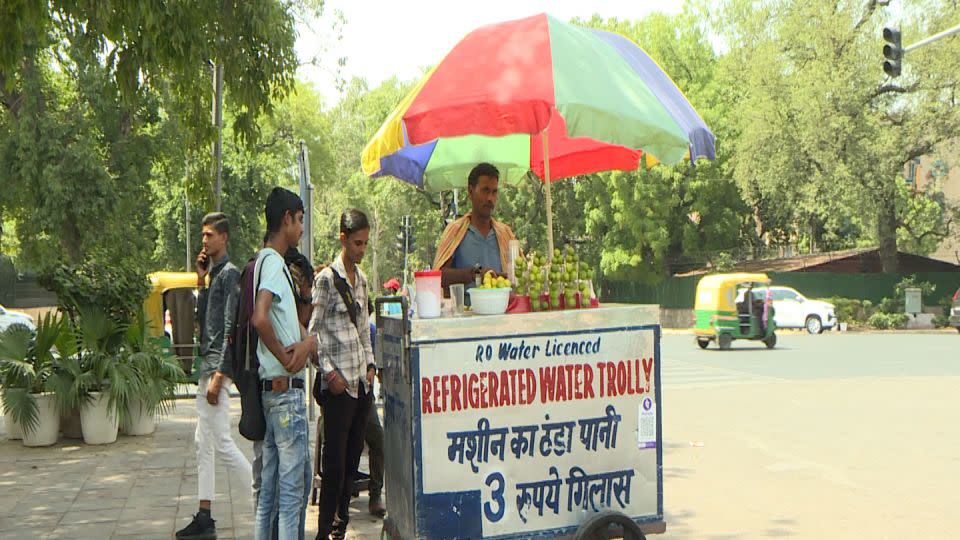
<point x="257" y="465"/>
<point x="286" y="465"/>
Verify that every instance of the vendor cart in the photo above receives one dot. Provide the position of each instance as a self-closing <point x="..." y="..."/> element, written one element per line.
<point x="519" y="426"/>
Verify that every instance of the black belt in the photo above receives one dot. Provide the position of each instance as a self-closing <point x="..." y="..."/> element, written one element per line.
<point x="267" y="384"/>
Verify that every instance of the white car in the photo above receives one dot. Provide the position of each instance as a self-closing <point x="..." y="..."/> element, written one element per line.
<point x="9" y="318"/>
<point x="794" y="310"/>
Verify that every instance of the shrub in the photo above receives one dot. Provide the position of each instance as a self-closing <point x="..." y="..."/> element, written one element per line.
<point x="897" y="304"/>
<point x="891" y="306"/>
<point x="118" y="289"/>
<point x="885" y="321"/>
<point x="927" y="288"/>
<point x="852" y="311"/>
<point x="941" y="321"/>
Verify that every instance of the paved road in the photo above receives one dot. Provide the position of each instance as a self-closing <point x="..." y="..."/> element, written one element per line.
<point x="831" y="436"/>
<point x="800" y="356"/>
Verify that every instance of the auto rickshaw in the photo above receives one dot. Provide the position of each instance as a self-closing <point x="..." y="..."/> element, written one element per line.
<point x="174" y="292"/>
<point x="727" y="308"/>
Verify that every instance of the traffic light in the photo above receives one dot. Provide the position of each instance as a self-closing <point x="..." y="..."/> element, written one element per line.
<point x="405" y="239"/>
<point x="410" y="241"/>
<point x="892" y="51"/>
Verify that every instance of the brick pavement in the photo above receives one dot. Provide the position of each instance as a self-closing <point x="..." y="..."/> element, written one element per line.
<point x="141" y="488"/>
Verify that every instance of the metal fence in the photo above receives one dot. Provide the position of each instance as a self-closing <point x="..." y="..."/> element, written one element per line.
<point x="679" y="292"/>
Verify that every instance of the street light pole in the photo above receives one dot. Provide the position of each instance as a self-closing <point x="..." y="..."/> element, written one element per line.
<point x="218" y="122"/>
<point x="306" y="241"/>
<point x="186" y="209"/>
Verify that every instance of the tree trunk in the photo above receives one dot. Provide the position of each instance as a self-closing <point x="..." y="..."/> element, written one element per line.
<point x="70" y="239"/>
<point x="887" y="231"/>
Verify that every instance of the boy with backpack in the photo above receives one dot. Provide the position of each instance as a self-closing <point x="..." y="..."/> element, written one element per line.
<point x="216" y="308"/>
<point x="347" y="369"/>
<point x="283" y="349"/>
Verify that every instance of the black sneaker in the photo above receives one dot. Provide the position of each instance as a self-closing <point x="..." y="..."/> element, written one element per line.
<point x="203" y="527"/>
<point x="338" y="534"/>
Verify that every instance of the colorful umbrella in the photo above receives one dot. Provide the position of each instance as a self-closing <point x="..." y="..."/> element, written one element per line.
<point x="514" y="92"/>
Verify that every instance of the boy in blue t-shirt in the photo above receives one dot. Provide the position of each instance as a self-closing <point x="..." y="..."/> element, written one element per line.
<point x="283" y="350"/>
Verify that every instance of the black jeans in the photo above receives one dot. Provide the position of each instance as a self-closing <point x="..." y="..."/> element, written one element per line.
<point x="344" y="426"/>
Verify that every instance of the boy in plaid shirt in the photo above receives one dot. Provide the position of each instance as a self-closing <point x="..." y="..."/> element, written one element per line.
<point x="339" y="322"/>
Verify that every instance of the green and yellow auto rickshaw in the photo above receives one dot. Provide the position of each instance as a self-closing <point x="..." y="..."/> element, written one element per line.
<point x="727" y="308"/>
<point x="170" y="308"/>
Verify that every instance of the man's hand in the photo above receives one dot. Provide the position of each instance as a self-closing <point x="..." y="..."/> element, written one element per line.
<point x="336" y="384"/>
<point x="201" y="265"/>
<point x="213" y="388"/>
<point x="298" y="354"/>
<point x="486" y="271"/>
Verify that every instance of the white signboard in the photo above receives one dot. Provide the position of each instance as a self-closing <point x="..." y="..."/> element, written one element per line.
<point x="548" y="428"/>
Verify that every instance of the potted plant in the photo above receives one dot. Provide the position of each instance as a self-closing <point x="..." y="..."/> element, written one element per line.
<point x="27" y="366"/>
<point x="96" y="380"/>
<point x="14" y="431"/>
<point x="157" y="374"/>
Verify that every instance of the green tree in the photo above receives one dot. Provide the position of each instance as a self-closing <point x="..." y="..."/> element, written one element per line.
<point x="646" y="223"/>
<point x="820" y="138"/>
<point x="354" y="121"/>
<point x="250" y="171"/>
<point x="925" y="219"/>
<point x="99" y="97"/>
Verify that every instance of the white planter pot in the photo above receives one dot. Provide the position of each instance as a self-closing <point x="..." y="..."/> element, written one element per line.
<point x="70" y="425"/>
<point x="100" y="425"/>
<point x="14" y="433"/>
<point x="48" y="427"/>
<point x="137" y="421"/>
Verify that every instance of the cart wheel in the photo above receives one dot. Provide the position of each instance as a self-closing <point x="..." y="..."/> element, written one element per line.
<point x="703" y="343"/>
<point x="597" y="527"/>
<point x="724" y="341"/>
<point x="770" y="341"/>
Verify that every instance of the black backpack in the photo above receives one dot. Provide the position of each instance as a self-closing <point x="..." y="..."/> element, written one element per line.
<point x="246" y="366"/>
<point x="245" y="363"/>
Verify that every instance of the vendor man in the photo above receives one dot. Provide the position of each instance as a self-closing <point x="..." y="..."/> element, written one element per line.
<point x="475" y="243"/>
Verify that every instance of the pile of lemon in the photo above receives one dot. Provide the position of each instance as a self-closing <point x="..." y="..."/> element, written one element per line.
<point x="490" y="281"/>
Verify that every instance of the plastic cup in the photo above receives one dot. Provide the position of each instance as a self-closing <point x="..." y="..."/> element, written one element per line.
<point x="456" y="293"/>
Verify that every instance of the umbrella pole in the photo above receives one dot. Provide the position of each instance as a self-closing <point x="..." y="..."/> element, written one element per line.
<point x="546" y="179"/>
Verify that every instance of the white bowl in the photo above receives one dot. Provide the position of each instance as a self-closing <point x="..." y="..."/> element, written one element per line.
<point x="489" y="301"/>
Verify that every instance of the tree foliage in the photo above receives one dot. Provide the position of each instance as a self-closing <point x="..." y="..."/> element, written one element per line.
<point x="105" y="134"/>
<point x="821" y="139"/>
<point x="100" y="99"/>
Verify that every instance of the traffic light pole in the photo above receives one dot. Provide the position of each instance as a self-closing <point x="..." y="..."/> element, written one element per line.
<point x="932" y="39"/>
<point x="406" y="247"/>
<point x="406" y="235"/>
